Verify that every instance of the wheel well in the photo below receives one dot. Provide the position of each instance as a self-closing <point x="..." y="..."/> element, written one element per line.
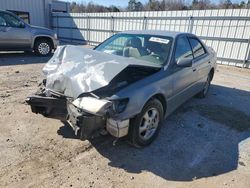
<point x="162" y="99"/>
<point x="211" y="73"/>
<point x="44" y="38"/>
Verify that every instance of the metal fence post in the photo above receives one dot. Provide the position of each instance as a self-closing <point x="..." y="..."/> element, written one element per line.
<point x="88" y="29"/>
<point x="144" y="23"/>
<point x="247" y="55"/>
<point x="190" y="24"/>
<point x="112" y="25"/>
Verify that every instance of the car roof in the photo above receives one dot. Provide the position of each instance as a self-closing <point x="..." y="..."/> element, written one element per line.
<point x="173" y="34"/>
<point x="5" y="11"/>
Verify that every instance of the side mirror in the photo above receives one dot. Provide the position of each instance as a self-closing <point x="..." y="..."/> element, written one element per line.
<point x="21" y="25"/>
<point x="185" y="62"/>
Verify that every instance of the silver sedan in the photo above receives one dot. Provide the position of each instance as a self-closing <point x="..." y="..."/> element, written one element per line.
<point x="127" y="85"/>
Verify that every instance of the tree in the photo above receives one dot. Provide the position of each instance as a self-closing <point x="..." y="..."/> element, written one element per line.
<point x="134" y="5"/>
<point x="242" y="4"/>
<point x="91" y="7"/>
<point x="201" y="5"/>
<point x="173" y="5"/>
<point x="153" y="5"/>
<point x="248" y="4"/>
<point x="139" y="6"/>
<point x="226" y="4"/>
<point x="195" y="3"/>
<point x="113" y="8"/>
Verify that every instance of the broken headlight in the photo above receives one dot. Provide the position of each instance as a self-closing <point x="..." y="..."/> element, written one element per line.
<point x="120" y="105"/>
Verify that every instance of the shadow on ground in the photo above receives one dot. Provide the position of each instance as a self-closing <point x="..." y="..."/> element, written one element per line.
<point x="199" y="140"/>
<point x="21" y="58"/>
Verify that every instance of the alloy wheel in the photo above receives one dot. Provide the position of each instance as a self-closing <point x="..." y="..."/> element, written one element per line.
<point x="149" y="124"/>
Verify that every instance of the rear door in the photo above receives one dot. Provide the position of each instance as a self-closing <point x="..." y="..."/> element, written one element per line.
<point x="201" y="62"/>
<point x="13" y="34"/>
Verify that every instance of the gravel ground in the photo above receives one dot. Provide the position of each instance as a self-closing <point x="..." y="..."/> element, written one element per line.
<point x="205" y="143"/>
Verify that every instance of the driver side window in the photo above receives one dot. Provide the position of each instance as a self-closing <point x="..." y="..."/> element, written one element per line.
<point x="11" y="21"/>
<point x="183" y="49"/>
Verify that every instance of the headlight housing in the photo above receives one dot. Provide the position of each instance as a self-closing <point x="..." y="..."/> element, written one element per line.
<point x="120" y="105"/>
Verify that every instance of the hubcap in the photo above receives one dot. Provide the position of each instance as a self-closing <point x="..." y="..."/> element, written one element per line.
<point x="149" y="124"/>
<point x="43" y="48"/>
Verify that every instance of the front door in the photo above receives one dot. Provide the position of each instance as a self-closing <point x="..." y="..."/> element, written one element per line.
<point x="183" y="78"/>
<point x="14" y="34"/>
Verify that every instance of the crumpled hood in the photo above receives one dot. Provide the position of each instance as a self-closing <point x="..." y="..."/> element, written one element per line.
<point x="74" y="70"/>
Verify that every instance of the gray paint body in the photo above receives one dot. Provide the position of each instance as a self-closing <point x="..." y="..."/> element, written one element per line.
<point x="171" y="83"/>
<point x="176" y="85"/>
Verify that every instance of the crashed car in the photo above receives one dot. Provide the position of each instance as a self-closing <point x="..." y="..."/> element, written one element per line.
<point x="126" y="85"/>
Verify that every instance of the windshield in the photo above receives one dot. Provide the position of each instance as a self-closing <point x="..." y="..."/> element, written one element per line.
<point x="152" y="48"/>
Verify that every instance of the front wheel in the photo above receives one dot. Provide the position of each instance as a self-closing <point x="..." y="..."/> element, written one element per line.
<point x="145" y="126"/>
<point x="43" y="47"/>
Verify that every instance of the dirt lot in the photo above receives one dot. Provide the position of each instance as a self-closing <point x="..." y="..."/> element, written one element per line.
<point x="206" y="143"/>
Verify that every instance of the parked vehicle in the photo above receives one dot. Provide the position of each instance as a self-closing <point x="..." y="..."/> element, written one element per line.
<point x="16" y="35"/>
<point x="127" y="85"/>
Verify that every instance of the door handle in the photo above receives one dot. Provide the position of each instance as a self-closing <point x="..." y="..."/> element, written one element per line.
<point x="194" y="69"/>
<point x="209" y="62"/>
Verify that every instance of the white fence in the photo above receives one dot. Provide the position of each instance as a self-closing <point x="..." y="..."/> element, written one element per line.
<point x="227" y="31"/>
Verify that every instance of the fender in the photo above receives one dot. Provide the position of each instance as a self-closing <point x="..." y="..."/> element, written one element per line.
<point x="42" y="35"/>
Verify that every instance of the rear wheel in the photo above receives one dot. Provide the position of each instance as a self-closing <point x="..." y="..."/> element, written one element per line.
<point x="43" y="47"/>
<point x="204" y="92"/>
<point x="145" y="126"/>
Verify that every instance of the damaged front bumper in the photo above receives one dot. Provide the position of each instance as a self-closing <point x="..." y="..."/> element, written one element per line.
<point x="49" y="107"/>
<point x="91" y="115"/>
<point x="87" y="116"/>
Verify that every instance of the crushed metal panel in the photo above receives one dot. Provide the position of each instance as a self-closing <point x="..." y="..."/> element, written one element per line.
<point x="74" y="70"/>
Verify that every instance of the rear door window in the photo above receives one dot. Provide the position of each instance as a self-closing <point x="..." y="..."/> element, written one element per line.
<point x="183" y="49"/>
<point x="197" y="47"/>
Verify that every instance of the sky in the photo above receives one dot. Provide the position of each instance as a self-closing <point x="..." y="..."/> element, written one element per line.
<point x="123" y="3"/>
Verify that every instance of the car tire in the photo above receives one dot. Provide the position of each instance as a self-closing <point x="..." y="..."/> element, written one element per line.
<point x="205" y="90"/>
<point x="145" y="126"/>
<point x="43" y="47"/>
